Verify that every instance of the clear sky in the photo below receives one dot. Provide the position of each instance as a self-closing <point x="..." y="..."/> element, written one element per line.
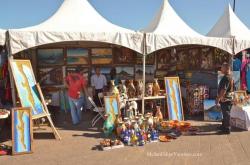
<point x="201" y="15"/>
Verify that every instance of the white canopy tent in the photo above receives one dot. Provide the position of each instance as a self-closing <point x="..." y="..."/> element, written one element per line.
<point x="168" y="29"/>
<point x="2" y="37"/>
<point x="75" y="20"/>
<point x="229" y="25"/>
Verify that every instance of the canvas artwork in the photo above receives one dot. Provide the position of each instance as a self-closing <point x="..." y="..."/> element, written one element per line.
<point x="239" y="97"/>
<point x="149" y="72"/>
<point x="101" y="56"/>
<point x="26" y="86"/>
<point x="182" y="60"/>
<point x="50" y="76"/>
<point x="166" y="59"/>
<point x="207" y="58"/>
<point x="77" y="56"/>
<point x="21" y="131"/>
<point x="220" y="56"/>
<point x="111" y="108"/>
<point x="125" y="72"/>
<point x="211" y="111"/>
<point x="174" y="99"/>
<point x="150" y="59"/>
<point x="124" y="56"/>
<point x="194" y="58"/>
<point x="50" y="57"/>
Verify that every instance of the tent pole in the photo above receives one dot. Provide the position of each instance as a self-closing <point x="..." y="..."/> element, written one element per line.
<point x="143" y="75"/>
<point x="12" y="86"/>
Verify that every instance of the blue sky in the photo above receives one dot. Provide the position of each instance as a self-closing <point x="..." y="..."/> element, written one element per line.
<point x="201" y="15"/>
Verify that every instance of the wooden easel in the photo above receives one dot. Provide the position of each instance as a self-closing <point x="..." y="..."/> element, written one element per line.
<point x="47" y="112"/>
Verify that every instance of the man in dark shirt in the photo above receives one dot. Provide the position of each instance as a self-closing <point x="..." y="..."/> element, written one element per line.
<point x="224" y="98"/>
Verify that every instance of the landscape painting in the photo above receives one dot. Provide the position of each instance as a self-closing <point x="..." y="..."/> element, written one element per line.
<point x="101" y="56"/>
<point x="21" y="131"/>
<point x="150" y="59"/>
<point x="125" y="72"/>
<point x="149" y="72"/>
<point x="125" y="56"/>
<point x="211" y="111"/>
<point x="50" y="76"/>
<point x="77" y="56"/>
<point x="50" y="57"/>
<point x="174" y="99"/>
<point x="26" y="86"/>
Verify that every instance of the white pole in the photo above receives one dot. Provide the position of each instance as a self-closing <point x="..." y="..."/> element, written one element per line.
<point x="143" y="75"/>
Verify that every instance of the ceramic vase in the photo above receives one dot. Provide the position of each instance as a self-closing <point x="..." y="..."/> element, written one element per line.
<point x="139" y="88"/>
<point x="149" y="90"/>
<point x="131" y="89"/>
<point x="156" y="88"/>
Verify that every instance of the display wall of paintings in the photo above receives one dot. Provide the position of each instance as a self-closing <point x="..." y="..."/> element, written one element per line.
<point x="50" y="57"/>
<point x="21" y="131"/>
<point x="50" y="76"/>
<point x="207" y="62"/>
<point x="83" y="70"/>
<point x="124" y="56"/>
<point x="101" y="56"/>
<point x="150" y="59"/>
<point x="125" y="72"/>
<point x="149" y="72"/>
<point x="193" y="59"/>
<point x="77" y="56"/>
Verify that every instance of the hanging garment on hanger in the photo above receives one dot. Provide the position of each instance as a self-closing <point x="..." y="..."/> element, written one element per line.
<point x="236" y="64"/>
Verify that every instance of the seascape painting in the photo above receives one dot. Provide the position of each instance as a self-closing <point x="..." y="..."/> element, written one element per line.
<point x="149" y="72"/>
<point x="26" y="86"/>
<point x="101" y="56"/>
<point x="174" y="99"/>
<point x="50" y="76"/>
<point x="211" y="111"/>
<point x="21" y="131"/>
<point x="125" y="72"/>
<point x="50" y="57"/>
<point x="77" y="56"/>
<point x="111" y="108"/>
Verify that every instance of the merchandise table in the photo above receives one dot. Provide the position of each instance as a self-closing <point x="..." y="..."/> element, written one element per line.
<point x="240" y="117"/>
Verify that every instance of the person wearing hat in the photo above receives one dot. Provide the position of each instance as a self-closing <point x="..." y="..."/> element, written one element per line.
<point x="76" y="84"/>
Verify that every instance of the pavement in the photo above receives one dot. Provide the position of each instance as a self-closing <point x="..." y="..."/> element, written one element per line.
<point x="79" y="147"/>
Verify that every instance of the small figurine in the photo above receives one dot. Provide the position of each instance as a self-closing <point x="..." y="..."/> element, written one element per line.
<point x="156" y="88"/>
<point x="113" y="88"/>
<point x="131" y="89"/>
<point x="139" y="88"/>
<point x="149" y="89"/>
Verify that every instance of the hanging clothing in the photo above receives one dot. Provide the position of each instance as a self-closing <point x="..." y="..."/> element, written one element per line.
<point x="236" y="64"/>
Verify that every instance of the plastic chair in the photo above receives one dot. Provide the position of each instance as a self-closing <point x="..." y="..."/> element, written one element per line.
<point x="100" y="112"/>
<point x="101" y="97"/>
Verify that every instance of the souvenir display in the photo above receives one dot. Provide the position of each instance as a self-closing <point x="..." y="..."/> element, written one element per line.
<point x="149" y="89"/>
<point x="241" y="98"/>
<point x="139" y="88"/>
<point x="108" y="144"/>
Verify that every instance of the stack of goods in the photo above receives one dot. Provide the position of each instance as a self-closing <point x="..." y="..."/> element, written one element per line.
<point x="108" y="144"/>
<point x="5" y="150"/>
<point x="196" y="94"/>
<point x="170" y="130"/>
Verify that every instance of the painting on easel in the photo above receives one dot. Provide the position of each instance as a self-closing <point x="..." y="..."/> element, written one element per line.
<point x="174" y="100"/>
<point x="21" y="131"/>
<point x="26" y="86"/>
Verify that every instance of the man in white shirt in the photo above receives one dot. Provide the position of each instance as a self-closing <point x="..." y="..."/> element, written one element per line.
<point x="98" y="82"/>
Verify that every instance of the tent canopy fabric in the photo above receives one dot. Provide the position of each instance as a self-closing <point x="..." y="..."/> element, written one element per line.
<point x="2" y="37"/>
<point x="167" y="29"/>
<point x="229" y="25"/>
<point x="75" y="20"/>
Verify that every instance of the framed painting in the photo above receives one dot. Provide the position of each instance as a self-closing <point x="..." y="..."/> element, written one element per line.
<point x="124" y="56"/>
<point x="50" y="76"/>
<point x="77" y="56"/>
<point x="125" y="72"/>
<point x="240" y="97"/>
<point x="149" y="72"/>
<point x="101" y="56"/>
<point x="220" y="56"/>
<point x="22" y="135"/>
<point x="194" y="59"/>
<point x="26" y="87"/>
<point x="182" y="60"/>
<point x="207" y="62"/>
<point x="150" y="59"/>
<point x="111" y="108"/>
<point x="50" y="57"/>
<point x="211" y="111"/>
<point x="174" y="99"/>
<point x="166" y="60"/>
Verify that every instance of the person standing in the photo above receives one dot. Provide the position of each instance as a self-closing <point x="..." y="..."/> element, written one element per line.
<point x="76" y="84"/>
<point x="98" y="82"/>
<point x="224" y="98"/>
